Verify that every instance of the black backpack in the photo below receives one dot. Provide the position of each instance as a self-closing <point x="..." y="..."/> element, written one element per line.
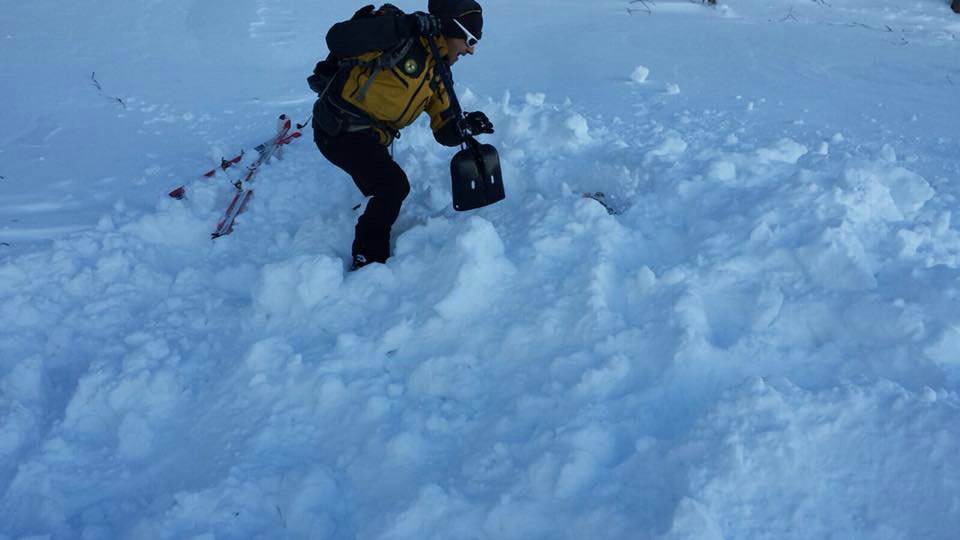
<point x="327" y="69"/>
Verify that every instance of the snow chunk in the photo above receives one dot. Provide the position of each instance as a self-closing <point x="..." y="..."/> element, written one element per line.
<point x="174" y="227"/>
<point x="580" y="129"/>
<point x="786" y="151"/>
<point x="448" y="377"/>
<point x="17" y="426"/>
<point x="640" y="74"/>
<point x="483" y="270"/>
<point x="435" y="514"/>
<point x="536" y="99"/>
<point x="879" y="322"/>
<point x="269" y="355"/>
<point x="591" y="449"/>
<point x="839" y="261"/>
<point x="670" y="148"/>
<point x="25" y="382"/>
<point x="603" y="380"/>
<point x="407" y="448"/>
<point x="879" y="192"/>
<point x="311" y="496"/>
<point x="723" y="171"/>
<point x="297" y="284"/>
<point x="693" y="521"/>
<point x="946" y="351"/>
<point x="888" y="154"/>
<point x="135" y="436"/>
<point x="554" y="128"/>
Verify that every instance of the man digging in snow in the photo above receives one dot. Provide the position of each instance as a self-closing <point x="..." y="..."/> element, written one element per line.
<point x="380" y="76"/>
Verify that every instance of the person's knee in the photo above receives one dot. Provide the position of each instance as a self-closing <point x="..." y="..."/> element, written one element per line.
<point x="396" y="188"/>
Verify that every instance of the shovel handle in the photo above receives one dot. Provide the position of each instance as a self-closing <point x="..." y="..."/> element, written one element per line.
<point x="447" y="77"/>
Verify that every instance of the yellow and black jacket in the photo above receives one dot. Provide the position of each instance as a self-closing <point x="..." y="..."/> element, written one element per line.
<point x="389" y="98"/>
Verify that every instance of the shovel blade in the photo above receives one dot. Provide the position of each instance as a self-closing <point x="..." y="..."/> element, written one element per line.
<point x="477" y="178"/>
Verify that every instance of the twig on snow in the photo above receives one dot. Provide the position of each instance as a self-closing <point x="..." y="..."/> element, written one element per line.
<point x="789" y="17"/>
<point x="646" y="7"/>
<point x="99" y="87"/>
<point x="886" y="28"/>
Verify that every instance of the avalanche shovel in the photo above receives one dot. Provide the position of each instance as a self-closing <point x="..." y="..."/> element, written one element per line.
<point x="476" y="176"/>
<point x="477" y="180"/>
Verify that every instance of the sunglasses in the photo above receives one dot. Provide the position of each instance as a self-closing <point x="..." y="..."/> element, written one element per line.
<point x="472" y="40"/>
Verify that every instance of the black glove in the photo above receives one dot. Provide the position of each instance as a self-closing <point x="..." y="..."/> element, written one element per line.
<point x="424" y="24"/>
<point x="476" y="123"/>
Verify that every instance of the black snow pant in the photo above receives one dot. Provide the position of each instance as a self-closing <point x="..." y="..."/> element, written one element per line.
<point x="378" y="176"/>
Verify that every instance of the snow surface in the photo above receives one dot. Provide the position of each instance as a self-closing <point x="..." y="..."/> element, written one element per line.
<point x="764" y="343"/>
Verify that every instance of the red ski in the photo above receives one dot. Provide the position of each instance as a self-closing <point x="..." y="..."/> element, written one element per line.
<point x="267" y="150"/>
<point x="181" y="191"/>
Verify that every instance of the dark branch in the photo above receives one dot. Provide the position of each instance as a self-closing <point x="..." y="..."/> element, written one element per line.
<point x="99" y="87"/>
<point x="646" y="7"/>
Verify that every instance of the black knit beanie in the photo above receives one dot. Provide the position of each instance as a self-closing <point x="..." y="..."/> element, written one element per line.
<point x="466" y="12"/>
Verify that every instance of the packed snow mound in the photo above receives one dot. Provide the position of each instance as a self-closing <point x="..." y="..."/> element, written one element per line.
<point x="297" y="285"/>
<point x="774" y="426"/>
<point x="762" y="339"/>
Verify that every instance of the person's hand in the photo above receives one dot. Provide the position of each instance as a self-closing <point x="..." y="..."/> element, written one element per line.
<point x="477" y="123"/>
<point x="424" y="24"/>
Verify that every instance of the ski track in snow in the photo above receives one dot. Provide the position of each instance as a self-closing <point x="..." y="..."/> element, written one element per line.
<point x="277" y="23"/>
<point x="764" y="343"/>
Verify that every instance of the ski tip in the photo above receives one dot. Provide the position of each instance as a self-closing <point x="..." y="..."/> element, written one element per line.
<point x="222" y="230"/>
<point x="178" y="193"/>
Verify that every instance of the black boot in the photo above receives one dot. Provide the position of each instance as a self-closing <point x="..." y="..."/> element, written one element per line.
<point x="359" y="261"/>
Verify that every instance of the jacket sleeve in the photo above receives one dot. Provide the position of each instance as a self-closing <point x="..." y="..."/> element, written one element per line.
<point x="355" y="37"/>
<point x="443" y="119"/>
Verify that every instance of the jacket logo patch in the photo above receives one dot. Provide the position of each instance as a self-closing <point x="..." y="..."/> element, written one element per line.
<point x="410" y="66"/>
